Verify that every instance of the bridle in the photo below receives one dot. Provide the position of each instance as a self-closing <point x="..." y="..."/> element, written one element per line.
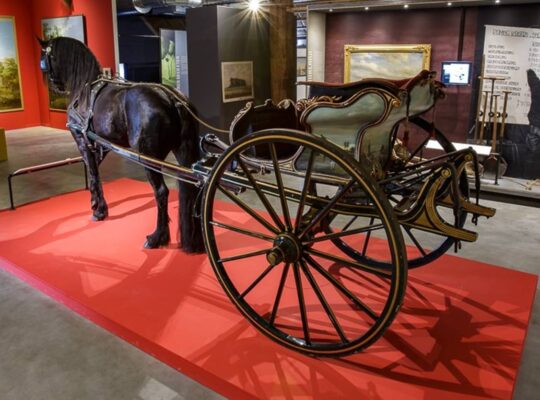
<point x="45" y="63"/>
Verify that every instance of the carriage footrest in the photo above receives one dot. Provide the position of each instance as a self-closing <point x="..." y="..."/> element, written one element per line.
<point x="432" y="222"/>
<point x="477" y="209"/>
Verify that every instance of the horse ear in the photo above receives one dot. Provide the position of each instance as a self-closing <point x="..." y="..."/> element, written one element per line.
<point x="42" y="43"/>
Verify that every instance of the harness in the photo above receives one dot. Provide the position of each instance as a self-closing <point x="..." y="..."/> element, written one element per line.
<point x="81" y="111"/>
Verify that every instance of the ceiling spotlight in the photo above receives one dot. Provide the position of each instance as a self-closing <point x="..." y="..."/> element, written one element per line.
<point x="497" y="1"/>
<point x="405" y="6"/>
<point x="331" y="10"/>
<point x="254" y="5"/>
<point x="449" y="4"/>
<point x="366" y="8"/>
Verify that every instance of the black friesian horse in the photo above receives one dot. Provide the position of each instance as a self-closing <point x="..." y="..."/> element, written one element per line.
<point x="146" y="117"/>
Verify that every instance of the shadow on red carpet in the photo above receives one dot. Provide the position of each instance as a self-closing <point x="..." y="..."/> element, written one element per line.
<point x="459" y="334"/>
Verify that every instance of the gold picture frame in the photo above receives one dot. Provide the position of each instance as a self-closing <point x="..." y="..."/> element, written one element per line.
<point x="385" y="61"/>
<point x="11" y="93"/>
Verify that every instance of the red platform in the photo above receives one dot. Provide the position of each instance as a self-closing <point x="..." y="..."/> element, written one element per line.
<point x="459" y="334"/>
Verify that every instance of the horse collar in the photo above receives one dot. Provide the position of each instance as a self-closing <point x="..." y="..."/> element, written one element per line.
<point x="81" y="119"/>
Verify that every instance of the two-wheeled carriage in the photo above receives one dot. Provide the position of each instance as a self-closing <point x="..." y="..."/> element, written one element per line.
<point x="315" y="211"/>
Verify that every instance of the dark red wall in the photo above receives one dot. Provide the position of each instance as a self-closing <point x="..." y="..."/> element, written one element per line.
<point x="438" y="27"/>
<point x="28" y="15"/>
<point x="27" y="63"/>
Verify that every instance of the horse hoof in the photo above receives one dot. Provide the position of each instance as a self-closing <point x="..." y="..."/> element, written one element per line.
<point x="148" y="245"/>
<point x="152" y="242"/>
<point x="99" y="217"/>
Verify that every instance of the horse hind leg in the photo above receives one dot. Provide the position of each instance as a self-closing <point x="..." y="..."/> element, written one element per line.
<point x="191" y="237"/>
<point x="161" y="236"/>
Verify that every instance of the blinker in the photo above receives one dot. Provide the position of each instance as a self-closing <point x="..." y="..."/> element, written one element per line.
<point x="43" y="65"/>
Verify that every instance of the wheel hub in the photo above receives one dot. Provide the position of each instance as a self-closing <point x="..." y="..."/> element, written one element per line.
<point x="286" y="249"/>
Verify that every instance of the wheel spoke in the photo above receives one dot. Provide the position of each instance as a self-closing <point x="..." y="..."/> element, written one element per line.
<point x="343" y="233"/>
<point x="260" y="194"/>
<point x="307" y="183"/>
<point x="368" y="236"/>
<point x="301" y="303"/>
<point x="245" y="255"/>
<point x="415" y="241"/>
<point x="324" y="212"/>
<point x="339" y="286"/>
<point x="279" y="181"/>
<point x="242" y="231"/>
<point x="248" y="209"/>
<point x="350" y="222"/>
<point x="256" y="281"/>
<point x="348" y="263"/>
<point x="279" y="293"/>
<point x="324" y="303"/>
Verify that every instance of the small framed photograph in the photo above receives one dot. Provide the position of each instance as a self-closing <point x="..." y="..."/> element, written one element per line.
<point x="237" y="81"/>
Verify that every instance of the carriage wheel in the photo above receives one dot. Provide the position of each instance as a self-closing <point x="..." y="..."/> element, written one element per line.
<point x="421" y="247"/>
<point x="272" y="257"/>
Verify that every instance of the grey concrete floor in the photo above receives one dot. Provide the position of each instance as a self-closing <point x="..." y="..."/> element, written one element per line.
<point x="49" y="352"/>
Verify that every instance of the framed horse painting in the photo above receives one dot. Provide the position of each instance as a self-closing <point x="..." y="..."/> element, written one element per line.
<point x="73" y="27"/>
<point x="385" y="61"/>
<point x="11" y="98"/>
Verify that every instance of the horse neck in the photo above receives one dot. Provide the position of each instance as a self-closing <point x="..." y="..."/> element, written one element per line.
<point x="81" y="88"/>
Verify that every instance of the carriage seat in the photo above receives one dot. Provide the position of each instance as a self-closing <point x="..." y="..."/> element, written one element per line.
<point x="347" y="90"/>
<point x="253" y="118"/>
<point x="266" y="116"/>
<point x="364" y="118"/>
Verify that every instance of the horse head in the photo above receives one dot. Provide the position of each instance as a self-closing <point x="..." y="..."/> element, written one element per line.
<point x="68" y="63"/>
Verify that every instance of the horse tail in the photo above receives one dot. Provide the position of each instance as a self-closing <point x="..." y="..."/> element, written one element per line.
<point x="191" y="238"/>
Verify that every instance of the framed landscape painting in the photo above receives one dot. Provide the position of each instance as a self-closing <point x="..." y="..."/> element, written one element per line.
<point x="237" y="80"/>
<point x="72" y="27"/>
<point x="10" y="76"/>
<point x="385" y="61"/>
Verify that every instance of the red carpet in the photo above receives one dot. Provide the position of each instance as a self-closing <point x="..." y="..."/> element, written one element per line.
<point x="459" y="334"/>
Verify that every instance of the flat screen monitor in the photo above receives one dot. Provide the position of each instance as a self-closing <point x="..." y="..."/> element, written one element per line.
<point x="456" y="72"/>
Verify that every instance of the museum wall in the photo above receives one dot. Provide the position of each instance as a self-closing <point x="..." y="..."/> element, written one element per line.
<point x="30" y="115"/>
<point x="439" y="27"/>
<point x="99" y="38"/>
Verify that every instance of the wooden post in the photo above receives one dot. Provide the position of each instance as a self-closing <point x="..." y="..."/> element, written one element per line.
<point x="282" y="49"/>
<point x="3" y="145"/>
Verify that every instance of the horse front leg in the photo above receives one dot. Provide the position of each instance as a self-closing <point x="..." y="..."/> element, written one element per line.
<point x="161" y="236"/>
<point x="92" y="160"/>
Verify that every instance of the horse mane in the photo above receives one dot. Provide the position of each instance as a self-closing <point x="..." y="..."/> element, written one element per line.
<point x="75" y="63"/>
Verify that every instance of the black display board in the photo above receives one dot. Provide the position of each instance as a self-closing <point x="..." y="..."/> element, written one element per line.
<point x="222" y="34"/>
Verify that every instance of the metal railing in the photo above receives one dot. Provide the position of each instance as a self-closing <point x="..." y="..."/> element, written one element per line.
<point x="42" y="167"/>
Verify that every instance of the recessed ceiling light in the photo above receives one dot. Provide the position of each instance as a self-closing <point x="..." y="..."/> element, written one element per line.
<point x="405" y="6"/>
<point x="331" y="10"/>
<point x="497" y="1"/>
<point x="254" y="5"/>
<point x="449" y="4"/>
<point x="366" y="8"/>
